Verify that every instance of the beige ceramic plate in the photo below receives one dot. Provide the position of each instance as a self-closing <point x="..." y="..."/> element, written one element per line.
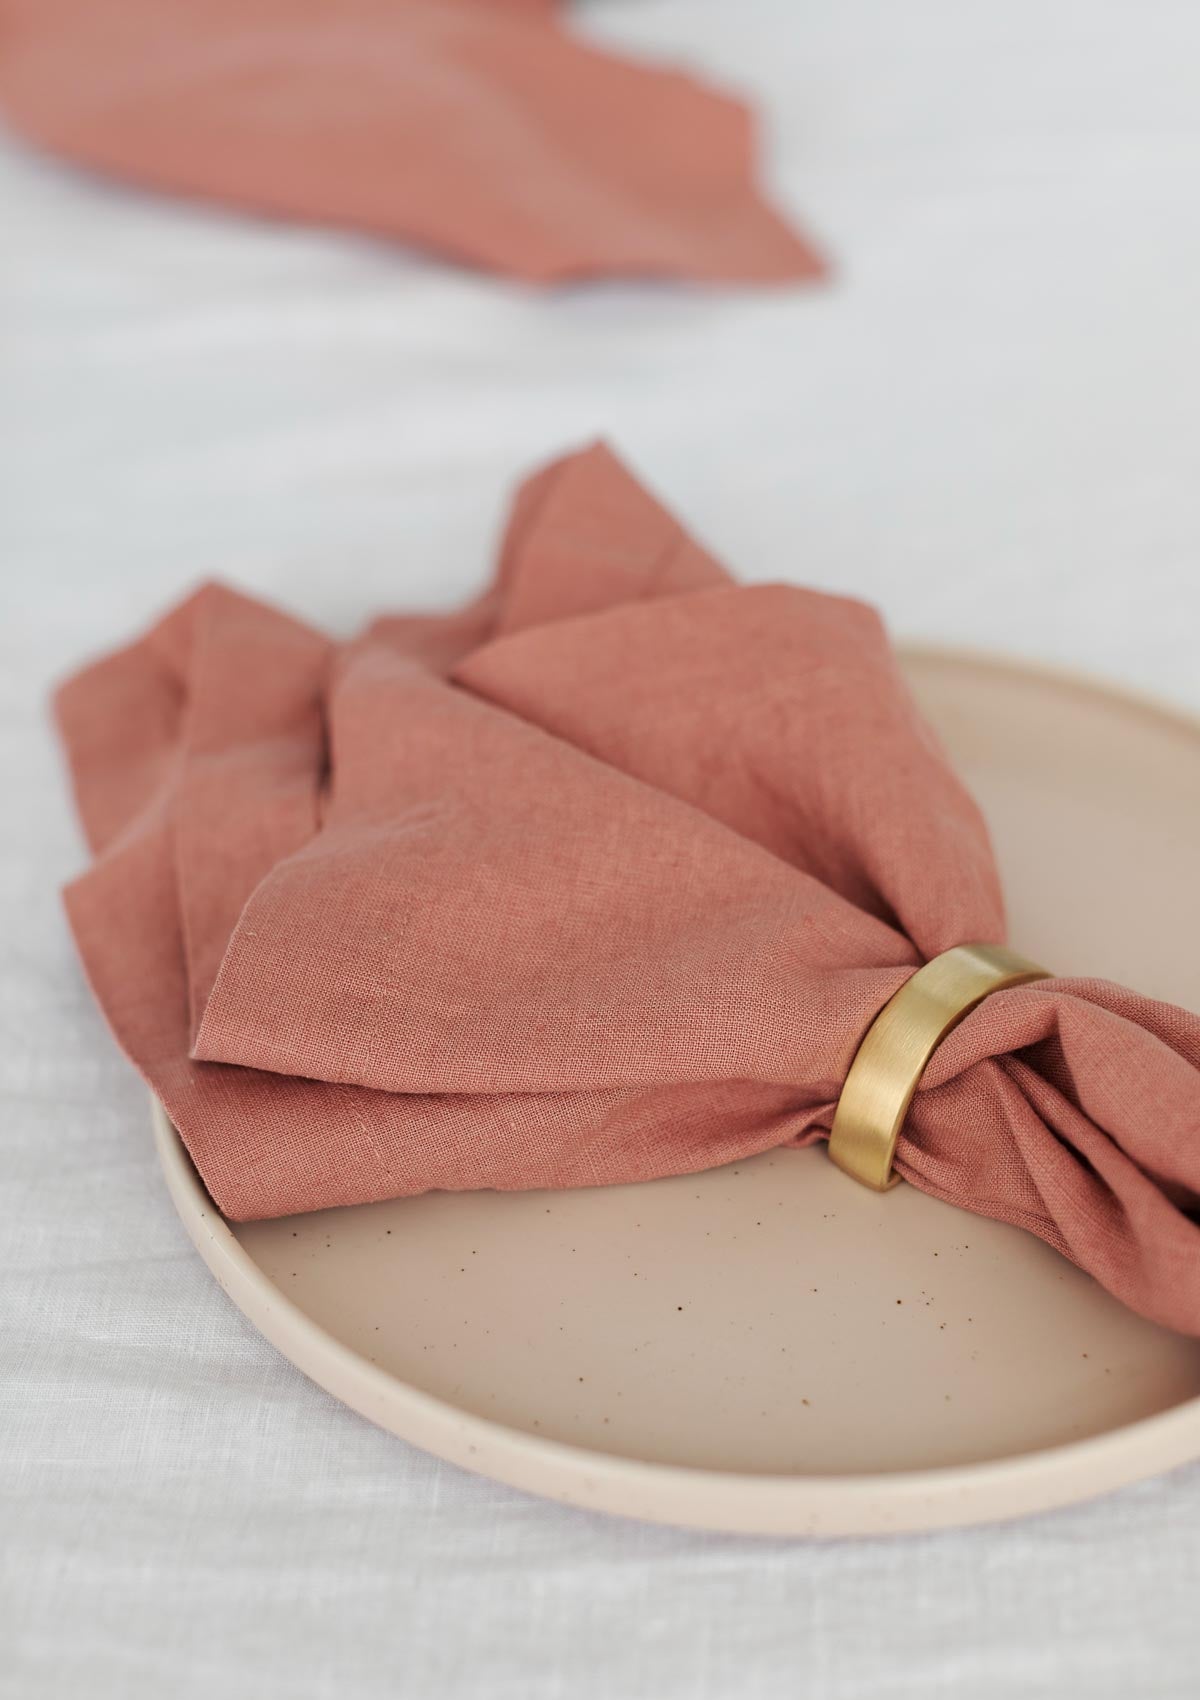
<point x="727" y="1350"/>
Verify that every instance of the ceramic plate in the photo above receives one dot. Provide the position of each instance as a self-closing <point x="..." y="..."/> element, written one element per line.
<point x="769" y="1347"/>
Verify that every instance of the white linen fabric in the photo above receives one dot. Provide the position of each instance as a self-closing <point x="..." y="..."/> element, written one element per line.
<point x="989" y="423"/>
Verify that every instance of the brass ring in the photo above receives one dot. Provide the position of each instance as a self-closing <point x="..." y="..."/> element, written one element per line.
<point x="897" y="1046"/>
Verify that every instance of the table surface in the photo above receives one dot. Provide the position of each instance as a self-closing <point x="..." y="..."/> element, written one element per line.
<point x="989" y="423"/>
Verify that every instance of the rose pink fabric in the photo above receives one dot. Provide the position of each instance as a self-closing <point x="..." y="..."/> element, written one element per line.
<point x="599" y="879"/>
<point x="478" y="129"/>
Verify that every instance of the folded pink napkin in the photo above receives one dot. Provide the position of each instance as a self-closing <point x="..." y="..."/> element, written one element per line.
<point x="478" y="129"/>
<point x="599" y="879"/>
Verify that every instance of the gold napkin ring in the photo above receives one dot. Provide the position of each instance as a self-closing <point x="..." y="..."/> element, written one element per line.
<point x="898" y="1044"/>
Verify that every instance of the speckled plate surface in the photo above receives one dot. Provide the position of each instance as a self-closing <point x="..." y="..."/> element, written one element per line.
<point x="769" y="1347"/>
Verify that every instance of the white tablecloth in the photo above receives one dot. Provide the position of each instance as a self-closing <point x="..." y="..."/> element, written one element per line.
<point x="989" y="423"/>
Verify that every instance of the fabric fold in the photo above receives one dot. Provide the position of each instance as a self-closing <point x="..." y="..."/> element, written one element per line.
<point x="478" y="130"/>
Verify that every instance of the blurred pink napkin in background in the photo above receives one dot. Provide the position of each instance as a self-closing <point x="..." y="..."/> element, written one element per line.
<point x="599" y="879"/>
<point x="480" y="130"/>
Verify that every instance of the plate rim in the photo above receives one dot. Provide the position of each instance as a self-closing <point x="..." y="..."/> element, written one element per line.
<point x="875" y="1503"/>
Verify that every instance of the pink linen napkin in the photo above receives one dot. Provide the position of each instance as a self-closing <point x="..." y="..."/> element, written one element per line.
<point x="601" y="878"/>
<point x="477" y="129"/>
